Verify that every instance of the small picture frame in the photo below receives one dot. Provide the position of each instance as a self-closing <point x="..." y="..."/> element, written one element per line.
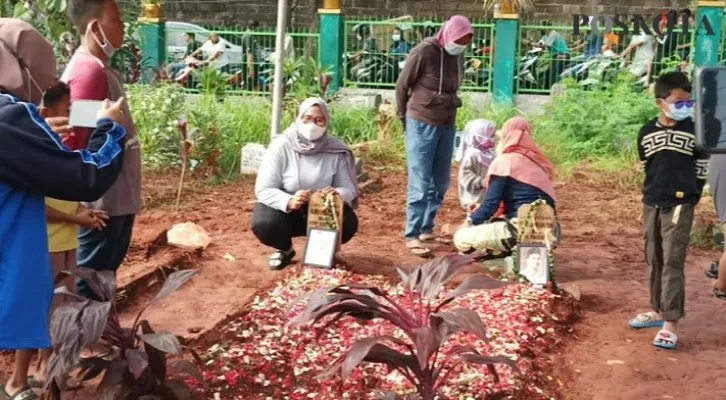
<point x="533" y="262"/>
<point x="320" y="248"/>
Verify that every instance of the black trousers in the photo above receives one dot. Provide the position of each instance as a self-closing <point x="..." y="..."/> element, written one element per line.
<point x="276" y="229"/>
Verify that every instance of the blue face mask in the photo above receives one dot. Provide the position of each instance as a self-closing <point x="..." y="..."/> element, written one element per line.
<point x="679" y="112"/>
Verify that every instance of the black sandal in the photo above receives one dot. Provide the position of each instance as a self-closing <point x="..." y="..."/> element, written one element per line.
<point x="720" y="294"/>
<point x="719" y="239"/>
<point x="25" y="393"/>
<point x="280" y="259"/>
<point x="713" y="271"/>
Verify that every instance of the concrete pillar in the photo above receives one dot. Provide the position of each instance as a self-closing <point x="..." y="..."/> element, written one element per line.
<point x="505" y="57"/>
<point x="332" y="42"/>
<point x="709" y="17"/>
<point x="153" y="45"/>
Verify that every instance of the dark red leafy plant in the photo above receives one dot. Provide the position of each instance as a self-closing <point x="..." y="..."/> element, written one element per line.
<point x="426" y="326"/>
<point x="135" y="363"/>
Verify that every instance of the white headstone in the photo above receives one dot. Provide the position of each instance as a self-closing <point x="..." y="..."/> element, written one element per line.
<point x="252" y="154"/>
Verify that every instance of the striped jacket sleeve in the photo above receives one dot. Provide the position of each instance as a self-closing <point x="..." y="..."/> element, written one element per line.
<point x="702" y="168"/>
<point x="33" y="157"/>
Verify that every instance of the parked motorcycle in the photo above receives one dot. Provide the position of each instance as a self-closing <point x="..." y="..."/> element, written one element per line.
<point x="528" y="67"/>
<point x="578" y="67"/>
<point x="370" y="68"/>
<point x="388" y="68"/>
<point x="267" y="68"/>
<point x="476" y="71"/>
<point x="292" y="69"/>
<point x="604" y="68"/>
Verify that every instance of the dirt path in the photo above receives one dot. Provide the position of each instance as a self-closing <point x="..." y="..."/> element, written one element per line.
<point x="602" y="253"/>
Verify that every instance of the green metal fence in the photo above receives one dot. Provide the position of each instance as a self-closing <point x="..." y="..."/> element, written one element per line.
<point x="376" y="51"/>
<point x="248" y="63"/>
<point x="674" y="51"/>
<point x="549" y="53"/>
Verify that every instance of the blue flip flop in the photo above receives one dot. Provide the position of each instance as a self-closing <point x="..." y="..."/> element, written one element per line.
<point x="666" y="340"/>
<point x="25" y="393"/>
<point x="645" y="321"/>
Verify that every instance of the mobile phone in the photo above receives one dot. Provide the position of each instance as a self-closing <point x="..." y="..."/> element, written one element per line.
<point x="84" y="113"/>
<point x="710" y="115"/>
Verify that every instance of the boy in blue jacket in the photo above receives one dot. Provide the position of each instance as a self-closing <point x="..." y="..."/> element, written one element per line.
<point x="33" y="164"/>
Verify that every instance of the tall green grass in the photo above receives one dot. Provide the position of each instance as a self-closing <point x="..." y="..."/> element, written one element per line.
<point x="221" y="127"/>
<point x="596" y="126"/>
<point x="599" y="125"/>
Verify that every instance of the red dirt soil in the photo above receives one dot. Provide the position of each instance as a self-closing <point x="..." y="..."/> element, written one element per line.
<point x="601" y="253"/>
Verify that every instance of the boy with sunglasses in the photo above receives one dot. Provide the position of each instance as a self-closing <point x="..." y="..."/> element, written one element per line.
<point x="675" y="173"/>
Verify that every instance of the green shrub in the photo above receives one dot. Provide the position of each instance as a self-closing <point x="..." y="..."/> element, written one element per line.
<point x="594" y="124"/>
<point x="155" y="111"/>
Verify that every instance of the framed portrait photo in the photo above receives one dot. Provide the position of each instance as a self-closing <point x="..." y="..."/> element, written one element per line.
<point x="533" y="262"/>
<point x="320" y="248"/>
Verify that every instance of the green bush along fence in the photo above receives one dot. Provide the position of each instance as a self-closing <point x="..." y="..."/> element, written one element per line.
<point x="370" y="53"/>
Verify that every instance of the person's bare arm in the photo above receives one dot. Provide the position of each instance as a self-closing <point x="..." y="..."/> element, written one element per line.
<point x="579" y="45"/>
<point x="196" y="53"/>
<point x="213" y="57"/>
<point x="629" y="50"/>
<point x="54" y="216"/>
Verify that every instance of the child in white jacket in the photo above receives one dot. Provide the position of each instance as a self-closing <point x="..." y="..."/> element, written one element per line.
<point x="477" y="153"/>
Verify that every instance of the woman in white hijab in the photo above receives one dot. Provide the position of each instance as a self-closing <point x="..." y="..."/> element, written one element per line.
<point x="305" y="159"/>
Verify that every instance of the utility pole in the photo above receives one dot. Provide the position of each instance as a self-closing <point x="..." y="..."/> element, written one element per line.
<point x="279" y="64"/>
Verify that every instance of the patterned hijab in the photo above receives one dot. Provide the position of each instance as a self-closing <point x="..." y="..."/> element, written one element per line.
<point x="478" y="141"/>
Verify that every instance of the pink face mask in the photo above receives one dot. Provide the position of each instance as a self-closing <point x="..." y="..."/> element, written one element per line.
<point x="102" y="42"/>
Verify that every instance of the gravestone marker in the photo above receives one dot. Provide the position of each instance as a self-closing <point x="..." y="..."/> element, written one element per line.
<point x="252" y="154"/>
<point x="542" y="231"/>
<point x="326" y="213"/>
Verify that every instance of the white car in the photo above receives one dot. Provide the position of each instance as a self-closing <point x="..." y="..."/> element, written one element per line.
<point x="177" y="46"/>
